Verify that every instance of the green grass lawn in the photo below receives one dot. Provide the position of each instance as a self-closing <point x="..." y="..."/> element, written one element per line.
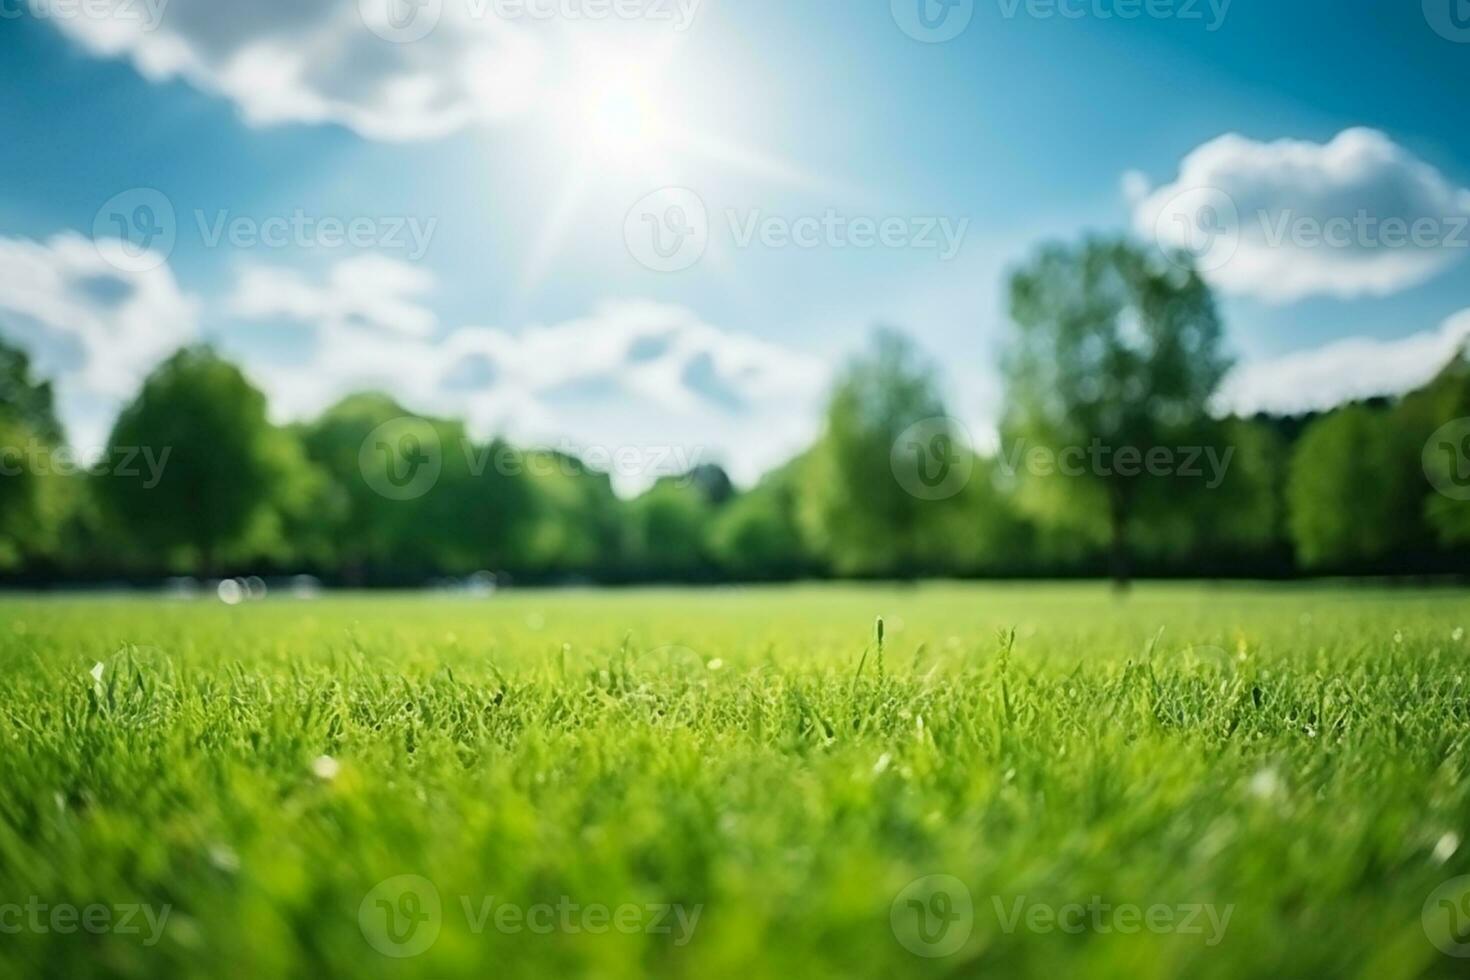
<point x="738" y="783"/>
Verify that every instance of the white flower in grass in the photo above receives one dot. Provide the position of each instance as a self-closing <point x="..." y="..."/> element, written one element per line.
<point x="325" y="767"/>
<point x="715" y="664"/>
<point x="223" y="857"/>
<point x="1445" y="847"/>
<point x="1265" y="784"/>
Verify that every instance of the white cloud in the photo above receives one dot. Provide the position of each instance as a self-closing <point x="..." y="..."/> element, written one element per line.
<point x="629" y="374"/>
<point x="1357" y="216"/>
<point x="291" y="61"/>
<point x="95" y="328"/>
<point x="1358" y="367"/>
<point x="368" y="291"/>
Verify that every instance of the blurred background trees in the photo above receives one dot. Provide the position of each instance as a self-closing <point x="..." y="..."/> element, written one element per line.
<point x="1112" y="347"/>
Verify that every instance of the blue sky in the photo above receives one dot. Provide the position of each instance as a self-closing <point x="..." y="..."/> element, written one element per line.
<point x="521" y="150"/>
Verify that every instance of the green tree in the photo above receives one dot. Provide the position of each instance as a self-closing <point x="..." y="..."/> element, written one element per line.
<point x="1350" y="497"/>
<point x="577" y="525"/>
<point x="480" y="513"/>
<point x="25" y="399"/>
<point x="757" y="533"/>
<point x="206" y="425"/>
<point x="34" y="499"/>
<point x="853" y="507"/>
<point x="364" y="526"/>
<point x="667" y="527"/>
<point x="1114" y="348"/>
<point x="416" y="495"/>
<point x="1434" y="436"/>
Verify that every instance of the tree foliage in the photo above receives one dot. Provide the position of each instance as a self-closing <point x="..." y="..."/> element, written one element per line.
<point x="1113" y="347"/>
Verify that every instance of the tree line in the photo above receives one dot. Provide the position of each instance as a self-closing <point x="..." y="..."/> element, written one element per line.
<point x="1109" y="462"/>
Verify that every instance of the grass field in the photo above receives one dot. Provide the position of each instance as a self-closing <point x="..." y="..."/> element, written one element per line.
<point x="1189" y="782"/>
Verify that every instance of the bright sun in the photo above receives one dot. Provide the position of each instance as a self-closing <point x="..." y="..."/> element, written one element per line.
<point x="610" y="110"/>
<point x="619" y="117"/>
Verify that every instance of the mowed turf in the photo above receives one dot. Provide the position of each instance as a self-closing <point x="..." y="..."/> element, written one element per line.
<point x="741" y="781"/>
